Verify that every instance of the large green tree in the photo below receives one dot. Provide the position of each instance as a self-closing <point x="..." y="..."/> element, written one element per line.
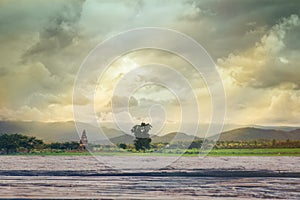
<point x="142" y="138"/>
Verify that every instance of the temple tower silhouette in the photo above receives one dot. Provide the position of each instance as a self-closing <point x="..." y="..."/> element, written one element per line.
<point x="83" y="141"/>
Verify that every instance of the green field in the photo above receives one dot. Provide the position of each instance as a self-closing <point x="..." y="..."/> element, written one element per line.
<point x="176" y="152"/>
<point x="256" y="152"/>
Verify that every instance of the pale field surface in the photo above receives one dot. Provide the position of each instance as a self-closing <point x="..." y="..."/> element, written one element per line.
<point x="187" y="178"/>
<point x="285" y="163"/>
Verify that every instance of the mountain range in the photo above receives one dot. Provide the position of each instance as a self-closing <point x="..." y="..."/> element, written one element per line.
<point x="66" y="131"/>
<point x="251" y="133"/>
<point x="170" y="137"/>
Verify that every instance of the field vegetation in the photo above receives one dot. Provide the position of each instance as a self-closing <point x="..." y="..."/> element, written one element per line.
<point x="17" y="144"/>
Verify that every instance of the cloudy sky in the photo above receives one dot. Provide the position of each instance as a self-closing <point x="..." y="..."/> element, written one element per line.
<point x="254" y="44"/>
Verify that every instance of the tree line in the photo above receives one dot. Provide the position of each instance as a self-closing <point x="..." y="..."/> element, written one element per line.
<point x="256" y="144"/>
<point x="15" y="143"/>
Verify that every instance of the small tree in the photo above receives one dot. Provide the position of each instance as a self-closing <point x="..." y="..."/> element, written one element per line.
<point x="123" y="146"/>
<point x="142" y="138"/>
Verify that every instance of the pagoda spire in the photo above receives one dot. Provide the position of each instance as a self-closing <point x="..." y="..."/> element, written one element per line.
<point x="83" y="141"/>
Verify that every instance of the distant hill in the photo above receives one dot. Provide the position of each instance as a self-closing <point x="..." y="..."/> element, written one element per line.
<point x="174" y="137"/>
<point x="295" y="133"/>
<point x="126" y="139"/>
<point x="250" y="133"/>
<point x="56" y="131"/>
<point x="279" y="128"/>
<point x="171" y="137"/>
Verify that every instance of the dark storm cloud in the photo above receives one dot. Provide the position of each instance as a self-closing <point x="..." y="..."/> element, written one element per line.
<point x="232" y="20"/>
<point x="270" y="62"/>
<point x="35" y="36"/>
<point x="60" y="30"/>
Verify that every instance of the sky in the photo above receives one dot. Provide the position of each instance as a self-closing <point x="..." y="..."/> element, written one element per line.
<point x="254" y="44"/>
